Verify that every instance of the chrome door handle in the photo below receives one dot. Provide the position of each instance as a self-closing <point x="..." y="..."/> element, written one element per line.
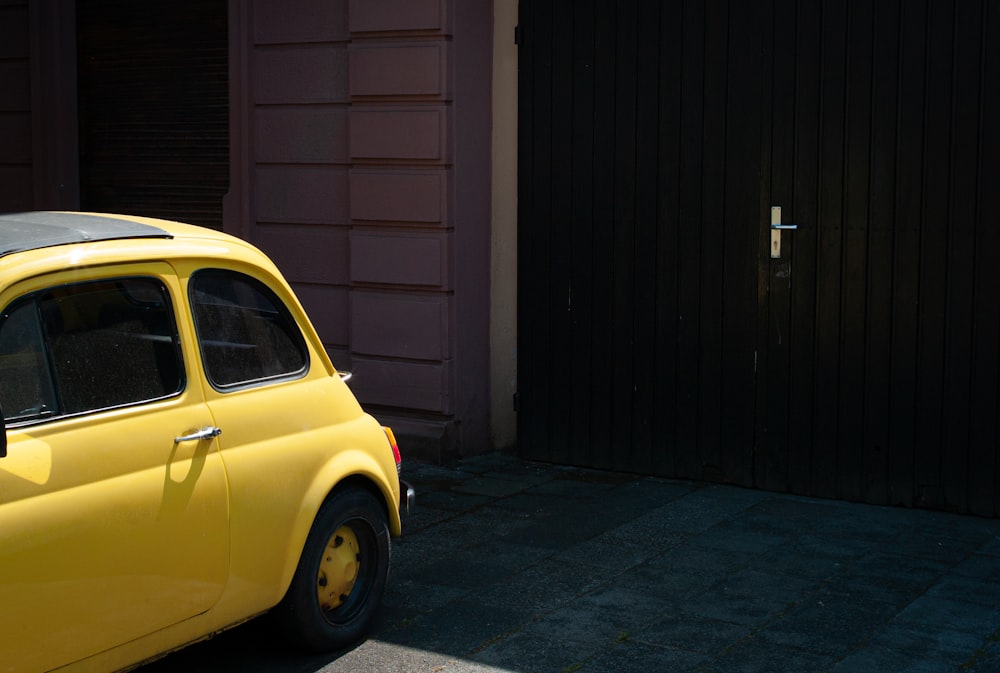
<point x="208" y="432"/>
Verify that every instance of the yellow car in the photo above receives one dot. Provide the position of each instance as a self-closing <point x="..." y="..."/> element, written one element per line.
<point x="179" y="453"/>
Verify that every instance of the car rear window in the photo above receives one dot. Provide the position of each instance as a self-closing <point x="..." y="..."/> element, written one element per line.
<point x="89" y="346"/>
<point x="246" y="333"/>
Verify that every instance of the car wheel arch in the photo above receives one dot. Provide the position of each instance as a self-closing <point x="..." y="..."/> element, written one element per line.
<point x="324" y="489"/>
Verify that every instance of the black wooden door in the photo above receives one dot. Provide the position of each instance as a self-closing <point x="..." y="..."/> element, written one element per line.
<point x="638" y="204"/>
<point x="657" y="333"/>
<point x="880" y="330"/>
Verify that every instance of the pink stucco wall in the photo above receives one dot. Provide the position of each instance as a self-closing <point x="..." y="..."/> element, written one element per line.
<point x="363" y="116"/>
<point x="359" y="160"/>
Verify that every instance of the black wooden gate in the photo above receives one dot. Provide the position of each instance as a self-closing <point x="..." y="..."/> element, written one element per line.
<point x="658" y="334"/>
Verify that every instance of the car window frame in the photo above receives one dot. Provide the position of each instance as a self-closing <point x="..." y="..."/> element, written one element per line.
<point x="284" y="308"/>
<point x="35" y="287"/>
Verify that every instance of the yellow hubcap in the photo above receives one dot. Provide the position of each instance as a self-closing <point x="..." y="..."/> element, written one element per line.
<point x="338" y="571"/>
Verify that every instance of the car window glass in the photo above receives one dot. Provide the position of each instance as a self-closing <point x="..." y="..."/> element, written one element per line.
<point x="88" y="346"/>
<point x="26" y="388"/>
<point x="246" y="333"/>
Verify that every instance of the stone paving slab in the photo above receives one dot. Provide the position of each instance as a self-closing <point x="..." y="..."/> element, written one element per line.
<point x="509" y="566"/>
<point x="562" y="569"/>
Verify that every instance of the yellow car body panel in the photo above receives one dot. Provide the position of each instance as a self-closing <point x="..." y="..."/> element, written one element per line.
<point x="119" y="543"/>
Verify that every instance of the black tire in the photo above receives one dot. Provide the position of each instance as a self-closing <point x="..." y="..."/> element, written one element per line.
<point x="326" y="608"/>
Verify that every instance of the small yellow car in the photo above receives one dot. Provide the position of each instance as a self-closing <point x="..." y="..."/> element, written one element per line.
<point x="179" y="455"/>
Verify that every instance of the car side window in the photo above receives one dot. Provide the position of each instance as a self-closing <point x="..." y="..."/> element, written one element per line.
<point x="246" y="333"/>
<point x="89" y="346"/>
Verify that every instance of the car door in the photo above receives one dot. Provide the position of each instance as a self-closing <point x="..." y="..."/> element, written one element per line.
<point x="113" y="496"/>
<point x="280" y="411"/>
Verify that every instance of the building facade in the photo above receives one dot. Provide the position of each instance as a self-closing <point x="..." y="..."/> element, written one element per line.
<point x="588" y="216"/>
<point x="350" y="140"/>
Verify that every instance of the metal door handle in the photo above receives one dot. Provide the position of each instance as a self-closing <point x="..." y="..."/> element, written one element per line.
<point x="208" y="432"/>
<point x="776" y="228"/>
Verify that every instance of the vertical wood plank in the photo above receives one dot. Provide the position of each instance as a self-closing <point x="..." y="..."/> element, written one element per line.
<point x="689" y="268"/>
<point x="882" y="214"/>
<point x="560" y="234"/>
<point x="961" y="287"/>
<point x="777" y="162"/>
<point x="667" y="301"/>
<point x="857" y="181"/>
<point x="830" y="251"/>
<point x="933" y="255"/>
<point x="585" y="360"/>
<point x="741" y="231"/>
<point x="605" y="69"/>
<point x="906" y="253"/>
<point x="534" y="186"/>
<point x="645" y="344"/>
<point x="808" y="462"/>
<point x="623" y="250"/>
<point x="711" y="245"/>
<point x="984" y="466"/>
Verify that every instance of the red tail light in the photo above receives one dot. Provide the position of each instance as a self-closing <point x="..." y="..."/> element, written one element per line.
<point x="395" y="447"/>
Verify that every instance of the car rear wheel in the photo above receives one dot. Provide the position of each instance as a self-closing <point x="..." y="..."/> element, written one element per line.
<point x="341" y="576"/>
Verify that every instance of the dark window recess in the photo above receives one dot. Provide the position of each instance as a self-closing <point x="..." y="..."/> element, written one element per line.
<point x="88" y="347"/>
<point x="246" y="334"/>
<point x="154" y="108"/>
